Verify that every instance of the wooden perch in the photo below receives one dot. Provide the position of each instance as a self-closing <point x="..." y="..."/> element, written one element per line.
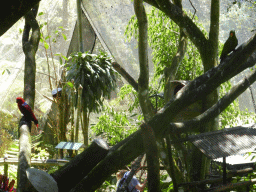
<point x="24" y="154"/>
<point x="73" y="172"/>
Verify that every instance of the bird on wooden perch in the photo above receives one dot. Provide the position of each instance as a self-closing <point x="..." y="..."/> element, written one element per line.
<point x="229" y="45"/>
<point x="26" y="110"/>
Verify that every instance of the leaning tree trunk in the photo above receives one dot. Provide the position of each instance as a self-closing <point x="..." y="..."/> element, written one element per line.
<point x="30" y="45"/>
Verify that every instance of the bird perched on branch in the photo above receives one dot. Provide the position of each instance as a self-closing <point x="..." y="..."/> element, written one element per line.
<point x="229" y="45"/>
<point x="26" y="110"/>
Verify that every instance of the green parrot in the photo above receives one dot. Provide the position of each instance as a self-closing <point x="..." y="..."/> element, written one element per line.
<point x="229" y="45"/>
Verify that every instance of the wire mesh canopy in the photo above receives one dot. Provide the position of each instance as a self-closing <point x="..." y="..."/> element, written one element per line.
<point x="226" y="142"/>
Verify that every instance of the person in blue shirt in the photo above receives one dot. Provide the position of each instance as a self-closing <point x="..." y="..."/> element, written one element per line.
<point x="134" y="185"/>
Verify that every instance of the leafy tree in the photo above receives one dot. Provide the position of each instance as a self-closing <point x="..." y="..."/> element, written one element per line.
<point x="8" y="129"/>
<point x="97" y="78"/>
<point x="163" y="38"/>
<point x="113" y="126"/>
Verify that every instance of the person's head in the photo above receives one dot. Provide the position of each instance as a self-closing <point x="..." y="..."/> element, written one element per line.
<point x="120" y="174"/>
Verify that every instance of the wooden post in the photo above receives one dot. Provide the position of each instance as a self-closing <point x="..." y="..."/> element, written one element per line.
<point x="24" y="154"/>
<point x="6" y="169"/>
<point x="224" y="171"/>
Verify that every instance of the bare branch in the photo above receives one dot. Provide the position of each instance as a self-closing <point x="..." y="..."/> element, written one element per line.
<point x="193" y="8"/>
<point x="125" y="75"/>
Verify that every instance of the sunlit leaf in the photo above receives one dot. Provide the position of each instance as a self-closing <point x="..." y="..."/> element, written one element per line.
<point x="70" y="84"/>
<point x="46" y="45"/>
<point x="41" y="13"/>
<point x="64" y="36"/>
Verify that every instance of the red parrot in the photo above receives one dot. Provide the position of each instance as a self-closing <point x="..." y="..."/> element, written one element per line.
<point x="26" y="110"/>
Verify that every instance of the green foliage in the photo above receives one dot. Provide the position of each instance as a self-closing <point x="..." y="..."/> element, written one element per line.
<point x="37" y="150"/>
<point x="7" y="131"/>
<point x="95" y="74"/>
<point x="107" y="186"/>
<point x="126" y="93"/>
<point x="53" y="169"/>
<point x="113" y="126"/>
<point x="163" y="38"/>
<point x="46" y="41"/>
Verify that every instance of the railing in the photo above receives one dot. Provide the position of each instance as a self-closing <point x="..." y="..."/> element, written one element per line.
<point x="42" y="162"/>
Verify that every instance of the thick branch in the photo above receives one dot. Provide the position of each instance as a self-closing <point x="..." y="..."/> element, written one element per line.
<point x="209" y="81"/>
<point x="30" y="46"/>
<point x="31" y="22"/>
<point x="215" y="110"/>
<point x="214" y="25"/>
<point x="150" y="148"/>
<point x="143" y="88"/>
<point x="125" y="75"/>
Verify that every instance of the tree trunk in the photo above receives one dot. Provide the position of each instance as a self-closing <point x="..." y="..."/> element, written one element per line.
<point x="30" y="46"/>
<point x="86" y="119"/>
<point x="143" y="81"/>
<point x="150" y="147"/>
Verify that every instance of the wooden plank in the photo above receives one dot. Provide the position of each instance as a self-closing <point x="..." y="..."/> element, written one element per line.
<point x="12" y="156"/>
<point x="12" y="152"/>
<point x="48" y="162"/>
<point x="15" y="149"/>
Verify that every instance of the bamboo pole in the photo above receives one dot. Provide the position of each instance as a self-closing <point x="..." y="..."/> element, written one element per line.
<point x="78" y="111"/>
